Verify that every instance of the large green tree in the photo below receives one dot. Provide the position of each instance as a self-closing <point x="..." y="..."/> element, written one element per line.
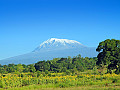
<point x="109" y="54"/>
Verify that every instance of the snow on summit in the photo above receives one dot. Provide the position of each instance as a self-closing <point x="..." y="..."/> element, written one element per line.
<point x="55" y="44"/>
<point x="62" y="41"/>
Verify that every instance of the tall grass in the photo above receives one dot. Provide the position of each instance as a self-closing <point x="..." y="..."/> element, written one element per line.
<point x="55" y="80"/>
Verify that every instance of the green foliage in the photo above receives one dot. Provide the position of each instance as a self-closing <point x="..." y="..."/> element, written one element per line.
<point x="31" y="68"/>
<point x="46" y="72"/>
<point x="65" y="64"/>
<point x="109" y="54"/>
<point x="38" y="73"/>
<point x="95" y="70"/>
<point x="68" y="65"/>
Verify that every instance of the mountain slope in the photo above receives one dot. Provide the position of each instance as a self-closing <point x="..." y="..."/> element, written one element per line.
<point x="53" y="48"/>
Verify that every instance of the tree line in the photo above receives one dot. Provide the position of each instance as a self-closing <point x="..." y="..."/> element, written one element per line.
<point x="56" y="65"/>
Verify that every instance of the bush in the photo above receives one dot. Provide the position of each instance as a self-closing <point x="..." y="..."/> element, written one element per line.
<point x="114" y="80"/>
<point x="67" y="72"/>
<point x="46" y="72"/>
<point x="63" y="85"/>
<point x="20" y="75"/>
<point x="38" y="73"/>
<point x="25" y="82"/>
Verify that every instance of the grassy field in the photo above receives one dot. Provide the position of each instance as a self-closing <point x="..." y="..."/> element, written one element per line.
<point x="56" y="81"/>
<point x="92" y="87"/>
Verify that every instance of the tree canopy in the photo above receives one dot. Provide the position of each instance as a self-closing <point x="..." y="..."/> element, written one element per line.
<point x="109" y="54"/>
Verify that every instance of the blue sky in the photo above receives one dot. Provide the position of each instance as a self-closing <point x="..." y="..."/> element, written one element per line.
<point x="24" y="24"/>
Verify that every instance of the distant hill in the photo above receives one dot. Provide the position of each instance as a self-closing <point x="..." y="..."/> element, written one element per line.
<point x="53" y="48"/>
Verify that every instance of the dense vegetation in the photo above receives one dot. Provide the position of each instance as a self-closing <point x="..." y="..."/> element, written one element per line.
<point x="67" y="72"/>
<point x="68" y="65"/>
<point x="109" y="55"/>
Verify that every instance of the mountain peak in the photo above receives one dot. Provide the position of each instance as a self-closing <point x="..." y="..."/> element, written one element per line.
<point x="55" y="44"/>
<point x="63" y="41"/>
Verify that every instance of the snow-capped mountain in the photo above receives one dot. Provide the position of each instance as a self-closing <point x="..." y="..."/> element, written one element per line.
<point x="53" y="48"/>
<point x="58" y="44"/>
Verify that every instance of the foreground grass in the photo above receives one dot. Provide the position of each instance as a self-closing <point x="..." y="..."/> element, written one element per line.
<point x="50" y="87"/>
<point x="59" y="81"/>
